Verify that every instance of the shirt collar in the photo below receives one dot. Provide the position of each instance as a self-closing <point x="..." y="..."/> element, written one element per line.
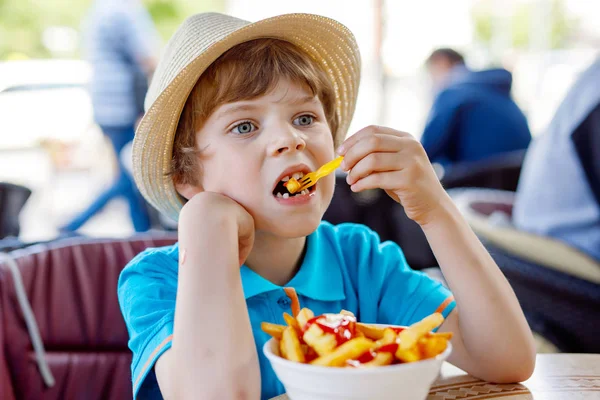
<point x="319" y="277"/>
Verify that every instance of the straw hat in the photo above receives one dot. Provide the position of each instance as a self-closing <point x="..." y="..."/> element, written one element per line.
<point x="199" y="41"/>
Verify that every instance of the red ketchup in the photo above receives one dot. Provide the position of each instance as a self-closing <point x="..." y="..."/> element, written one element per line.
<point x="389" y="348"/>
<point x="342" y="326"/>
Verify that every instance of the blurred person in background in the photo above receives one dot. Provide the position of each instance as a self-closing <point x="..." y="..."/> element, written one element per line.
<point x="121" y="44"/>
<point x="473" y="116"/>
<point x="559" y="187"/>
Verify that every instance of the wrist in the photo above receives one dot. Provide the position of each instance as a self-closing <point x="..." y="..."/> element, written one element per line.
<point x="445" y="214"/>
<point x="205" y="227"/>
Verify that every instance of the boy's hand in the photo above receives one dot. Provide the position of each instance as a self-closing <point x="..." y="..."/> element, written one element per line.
<point x="380" y="157"/>
<point x="207" y="211"/>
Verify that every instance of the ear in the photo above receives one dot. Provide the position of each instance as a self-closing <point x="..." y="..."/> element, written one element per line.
<point x="188" y="190"/>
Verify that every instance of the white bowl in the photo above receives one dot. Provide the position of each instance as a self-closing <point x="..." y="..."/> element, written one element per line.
<point x="410" y="381"/>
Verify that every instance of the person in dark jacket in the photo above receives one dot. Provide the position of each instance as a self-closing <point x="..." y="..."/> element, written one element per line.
<point x="473" y="116"/>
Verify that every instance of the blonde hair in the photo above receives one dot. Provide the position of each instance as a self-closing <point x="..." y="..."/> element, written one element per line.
<point x="246" y="71"/>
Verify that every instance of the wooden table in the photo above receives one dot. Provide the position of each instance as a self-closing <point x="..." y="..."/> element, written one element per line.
<point x="556" y="377"/>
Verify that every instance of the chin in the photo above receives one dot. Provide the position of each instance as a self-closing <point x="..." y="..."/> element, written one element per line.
<point x="300" y="226"/>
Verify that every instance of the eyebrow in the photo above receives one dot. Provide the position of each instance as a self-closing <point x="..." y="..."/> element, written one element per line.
<point x="231" y="109"/>
<point x="304" y="100"/>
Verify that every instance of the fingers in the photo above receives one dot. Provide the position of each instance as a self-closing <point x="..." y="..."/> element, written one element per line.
<point x="380" y="180"/>
<point x="371" y="144"/>
<point x="366" y="132"/>
<point x="373" y="162"/>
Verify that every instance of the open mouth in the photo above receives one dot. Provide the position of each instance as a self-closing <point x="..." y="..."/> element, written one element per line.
<point x="281" y="191"/>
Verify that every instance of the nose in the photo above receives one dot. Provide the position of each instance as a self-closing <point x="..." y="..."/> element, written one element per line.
<point x="287" y="141"/>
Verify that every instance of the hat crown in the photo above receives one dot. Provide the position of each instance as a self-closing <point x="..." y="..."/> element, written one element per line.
<point x="191" y="39"/>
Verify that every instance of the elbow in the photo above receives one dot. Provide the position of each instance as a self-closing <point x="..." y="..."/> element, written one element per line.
<point x="515" y="374"/>
<point x="215" y="383"/>
<point x="519" y="363"/>
<point x="513" y="369"/>
<point x="217" y="392"/>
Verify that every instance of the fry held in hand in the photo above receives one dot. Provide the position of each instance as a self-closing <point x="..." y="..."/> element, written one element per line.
<point x="337" y="340"/>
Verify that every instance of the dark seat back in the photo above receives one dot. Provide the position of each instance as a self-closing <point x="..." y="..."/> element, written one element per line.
<point x="12" y="200"/>
<point x="498" y="172"/>
<point x="72" y="288"/>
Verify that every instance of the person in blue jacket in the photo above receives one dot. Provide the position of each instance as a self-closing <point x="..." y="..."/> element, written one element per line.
<point x="473" y="115"/>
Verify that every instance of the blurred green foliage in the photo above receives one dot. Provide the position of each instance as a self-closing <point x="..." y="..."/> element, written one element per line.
<point x="23" y="22"/>
<point x="520" y="23"/>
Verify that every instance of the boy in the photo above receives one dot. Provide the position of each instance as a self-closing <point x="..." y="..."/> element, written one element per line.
<point x="234" y="110"/>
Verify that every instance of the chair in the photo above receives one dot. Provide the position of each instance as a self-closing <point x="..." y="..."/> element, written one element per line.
<point x="71" y="286"/>
<point x="557" y="286"/>
<point x="12" y="200"/>
<point x="497" y="172"/>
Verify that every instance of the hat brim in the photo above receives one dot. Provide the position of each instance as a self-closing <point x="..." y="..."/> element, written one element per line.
<point x="328" y="42"/>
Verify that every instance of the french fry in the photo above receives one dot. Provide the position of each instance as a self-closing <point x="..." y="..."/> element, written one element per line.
<point x="291" y="321"/>
<point x="346" y="351"/>
<point x="289" y="346"/>
<point x="409" y="337"/>
<point x="431" y="347"/>
<point x="323" y="343"/>
<point x="304" y="316"/>
<point x="445" y="335"/>
<point x="381" y="359"/>
<point x="293" y="296"/>
<point x="410" y="355"/>
<point x="389" y="337"/>
<point x="370" y="331"/>
<point x="317" y="344"/>
<point x="273" y="330"/>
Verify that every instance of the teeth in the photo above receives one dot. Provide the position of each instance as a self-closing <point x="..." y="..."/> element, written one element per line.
<point x="287" y="195"/>
<point x="285" y="179"/>
<point x="298" y="175"/>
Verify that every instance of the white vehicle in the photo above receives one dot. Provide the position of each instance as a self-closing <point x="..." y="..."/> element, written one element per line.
<point x="43" y="99"/>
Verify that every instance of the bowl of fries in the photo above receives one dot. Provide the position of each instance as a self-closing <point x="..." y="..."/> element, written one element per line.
<point x="332" y="356"/>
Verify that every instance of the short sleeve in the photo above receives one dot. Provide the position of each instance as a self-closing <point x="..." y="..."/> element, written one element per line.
<point x="147" y="291"/>
<point x="402" y="295"/>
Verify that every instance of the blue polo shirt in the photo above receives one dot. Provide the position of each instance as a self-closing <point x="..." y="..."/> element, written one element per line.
<point x="345" y="267"/>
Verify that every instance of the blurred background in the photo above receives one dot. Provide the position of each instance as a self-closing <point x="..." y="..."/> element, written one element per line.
<point x="50" y="144"/>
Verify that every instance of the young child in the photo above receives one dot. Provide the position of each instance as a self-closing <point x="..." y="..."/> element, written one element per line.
<point x="234" y="109"/>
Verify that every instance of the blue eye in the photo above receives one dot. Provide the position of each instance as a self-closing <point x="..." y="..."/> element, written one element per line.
<point x="244" y="128"/>
<point x="304" y="120"/>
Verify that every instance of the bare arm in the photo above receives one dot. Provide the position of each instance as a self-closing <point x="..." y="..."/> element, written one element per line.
<point x="213" y="355"/>
<point x="492" y="338"/>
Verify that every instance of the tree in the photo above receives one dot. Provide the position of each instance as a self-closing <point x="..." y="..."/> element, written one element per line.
<point x="561" y="26"/>
<point x="24" y="22"/>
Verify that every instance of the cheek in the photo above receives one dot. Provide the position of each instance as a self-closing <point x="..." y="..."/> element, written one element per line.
<point x="233" y="176"/>
<point x="327" y="186"/>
